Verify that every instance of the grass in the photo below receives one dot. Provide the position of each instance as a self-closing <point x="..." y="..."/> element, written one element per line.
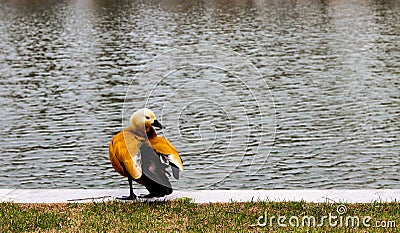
<point x="184" y="216"/>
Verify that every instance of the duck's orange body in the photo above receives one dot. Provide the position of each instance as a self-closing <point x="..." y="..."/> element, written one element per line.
<point x="122" y="146"/>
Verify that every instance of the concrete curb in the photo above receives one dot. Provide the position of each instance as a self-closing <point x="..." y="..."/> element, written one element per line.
<point x="203" y="196"/>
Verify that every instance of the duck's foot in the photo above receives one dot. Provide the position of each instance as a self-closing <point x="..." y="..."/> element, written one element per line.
<point x="128" y="198"/>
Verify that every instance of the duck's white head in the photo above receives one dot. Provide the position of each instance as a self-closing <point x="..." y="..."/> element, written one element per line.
<point x="145" y="117"/>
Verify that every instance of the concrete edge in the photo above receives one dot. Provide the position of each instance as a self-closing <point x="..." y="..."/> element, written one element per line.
<point x="203" y="196"/>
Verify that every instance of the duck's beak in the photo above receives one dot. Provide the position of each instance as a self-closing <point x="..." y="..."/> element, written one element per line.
<point x="157" y="124"/>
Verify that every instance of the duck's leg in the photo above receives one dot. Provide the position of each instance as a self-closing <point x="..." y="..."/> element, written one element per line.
<point x="131" y="196"/>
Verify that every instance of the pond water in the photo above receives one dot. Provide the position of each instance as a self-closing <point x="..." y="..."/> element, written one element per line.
<point x="254" y="94"/>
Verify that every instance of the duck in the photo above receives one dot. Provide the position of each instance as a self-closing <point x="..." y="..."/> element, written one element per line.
<point x="140" y="154"/>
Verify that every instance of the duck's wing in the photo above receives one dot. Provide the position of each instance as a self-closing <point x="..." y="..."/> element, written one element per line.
<point x="124" y="154"/>
<point x="165" y="148"/>
<point x="152" y="166"/>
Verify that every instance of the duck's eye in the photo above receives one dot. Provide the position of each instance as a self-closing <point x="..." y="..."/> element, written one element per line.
<point x="147" y="117"/>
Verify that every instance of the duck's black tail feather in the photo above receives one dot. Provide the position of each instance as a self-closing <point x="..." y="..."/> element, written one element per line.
<point x="154" y="176"/>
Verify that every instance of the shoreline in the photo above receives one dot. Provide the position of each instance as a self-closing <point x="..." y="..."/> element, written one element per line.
<point x="51" y="196"/>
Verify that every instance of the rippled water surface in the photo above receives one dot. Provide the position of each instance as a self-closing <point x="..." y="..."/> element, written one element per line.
<point x="255" y="94"/>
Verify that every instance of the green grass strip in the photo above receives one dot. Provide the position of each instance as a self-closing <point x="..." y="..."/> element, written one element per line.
<point x="184" y="216"/>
